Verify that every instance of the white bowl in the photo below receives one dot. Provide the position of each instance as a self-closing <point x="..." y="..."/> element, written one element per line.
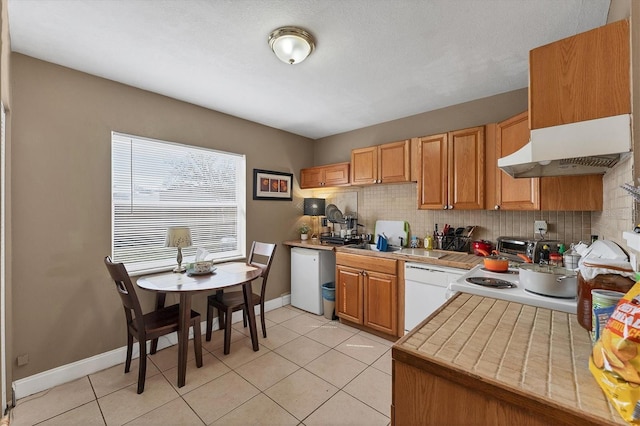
<point x="202" y="267"/>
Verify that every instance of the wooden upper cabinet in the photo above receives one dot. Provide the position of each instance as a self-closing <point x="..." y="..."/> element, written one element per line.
<point x="452" y="170"/>
<point x="582" y="77"/>
<point x="466" y="169"/>
<point x="388" y="163"/>
<point x="329" y="175"/>
<point x="364" y="165"/>
<point x="514" y="194"/>
<point x="394" y="162"/>
<point x="563" y="193"/>
<point x="432" y="182"/>
<point x="572" y="193"/>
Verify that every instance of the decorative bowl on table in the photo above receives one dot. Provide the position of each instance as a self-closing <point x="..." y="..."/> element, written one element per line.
<point x="201" y="267"/>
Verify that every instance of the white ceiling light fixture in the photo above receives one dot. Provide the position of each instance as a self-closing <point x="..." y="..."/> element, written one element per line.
<point x="291" y="44"/>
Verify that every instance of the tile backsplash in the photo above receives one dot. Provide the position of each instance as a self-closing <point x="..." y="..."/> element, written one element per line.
<point x="618" y="212"/>
<point x="398" y="202"/>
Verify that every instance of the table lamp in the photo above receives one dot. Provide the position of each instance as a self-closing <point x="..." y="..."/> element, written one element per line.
<point x="178" y="236"/>
<point x="314" y="207"/>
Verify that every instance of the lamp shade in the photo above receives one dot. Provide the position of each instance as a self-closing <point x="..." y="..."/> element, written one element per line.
<point x="291" y="45"/>
<point x="178" y="236"/>
<point x="313" y="206"/>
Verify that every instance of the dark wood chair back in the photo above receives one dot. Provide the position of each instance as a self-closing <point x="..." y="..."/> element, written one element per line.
<point x="128" y="295"/>
<point x="149" y="326"/>
<point x="261" y="256"/>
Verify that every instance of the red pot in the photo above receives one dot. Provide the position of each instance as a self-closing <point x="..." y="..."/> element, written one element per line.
<point x="481" y="248"/>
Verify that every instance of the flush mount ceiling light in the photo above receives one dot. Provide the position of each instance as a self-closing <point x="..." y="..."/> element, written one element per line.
<point x="291" y="44"/>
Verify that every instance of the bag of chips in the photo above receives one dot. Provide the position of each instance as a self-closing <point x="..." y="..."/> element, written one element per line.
<point x="614" y="360"/>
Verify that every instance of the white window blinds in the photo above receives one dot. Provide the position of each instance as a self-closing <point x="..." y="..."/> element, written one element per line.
<point x="156" y="184"/>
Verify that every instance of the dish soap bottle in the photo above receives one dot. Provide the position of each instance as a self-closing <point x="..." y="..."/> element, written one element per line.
<point x="428" y="242"/>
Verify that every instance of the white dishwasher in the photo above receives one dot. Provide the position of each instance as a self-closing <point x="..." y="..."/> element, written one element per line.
<point x="309" y="270"/>
<point x="425" y="288"/>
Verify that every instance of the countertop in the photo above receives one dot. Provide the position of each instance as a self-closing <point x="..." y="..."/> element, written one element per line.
<point x="516" y="350"/>
<point x="452" y="259"/>
<point x="313" y="244"/>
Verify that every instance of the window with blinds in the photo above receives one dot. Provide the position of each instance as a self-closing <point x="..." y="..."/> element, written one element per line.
<point x="157" y="184"/>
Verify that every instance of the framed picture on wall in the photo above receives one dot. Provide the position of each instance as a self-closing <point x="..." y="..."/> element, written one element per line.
<point x="268" y="185"/>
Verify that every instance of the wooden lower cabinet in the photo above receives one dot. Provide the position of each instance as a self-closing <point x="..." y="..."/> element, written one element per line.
<point x="422" y="398"/>
<point x="381" y="302"/>
<point x="367" y="292"/>
<point x="349" y="294"/>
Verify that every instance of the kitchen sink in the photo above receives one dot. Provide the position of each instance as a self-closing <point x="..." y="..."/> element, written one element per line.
<point x="422" y="252"/>
<point x="372" y="247"/>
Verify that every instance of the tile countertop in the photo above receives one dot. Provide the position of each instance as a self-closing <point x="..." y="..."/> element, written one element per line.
<point x="452" y="259"/>
<point x="520" y="351"/>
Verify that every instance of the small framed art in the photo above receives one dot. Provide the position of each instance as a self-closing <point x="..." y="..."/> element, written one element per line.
<point x="268" y="185"/>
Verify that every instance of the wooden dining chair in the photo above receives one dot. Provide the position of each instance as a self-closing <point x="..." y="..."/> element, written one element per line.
<point x="260" y="256"/>
<point x="148" y="326"/>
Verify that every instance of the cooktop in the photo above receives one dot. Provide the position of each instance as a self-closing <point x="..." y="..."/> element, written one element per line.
<point x="516" y="293"/>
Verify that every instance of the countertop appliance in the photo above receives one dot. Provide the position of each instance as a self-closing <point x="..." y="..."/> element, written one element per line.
<point x="336" y="239"/>
<point x="514" y="293"/>
<point x="309" y="270"/>
<point x="517" y="248"/>
<point x="425" y="288"/>
<point x="585" y="147"/>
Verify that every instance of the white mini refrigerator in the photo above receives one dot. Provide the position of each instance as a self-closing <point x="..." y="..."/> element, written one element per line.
<point x="309" y="270"/>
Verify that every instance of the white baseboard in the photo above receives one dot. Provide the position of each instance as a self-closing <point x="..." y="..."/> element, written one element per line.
<point x="69" y="372"/>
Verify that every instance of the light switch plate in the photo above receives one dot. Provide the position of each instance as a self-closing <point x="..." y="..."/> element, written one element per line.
<point x="540" y="226"/>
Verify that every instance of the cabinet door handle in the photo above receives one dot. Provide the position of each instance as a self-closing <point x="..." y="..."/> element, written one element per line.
<point x="496" y="207"/>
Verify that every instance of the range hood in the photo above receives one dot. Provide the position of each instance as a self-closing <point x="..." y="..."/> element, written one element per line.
<point x="583" y="148"/>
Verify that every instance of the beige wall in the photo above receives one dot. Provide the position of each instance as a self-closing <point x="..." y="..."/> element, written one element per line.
<point x="64" y="306"/>
<point x="337" y="148"/>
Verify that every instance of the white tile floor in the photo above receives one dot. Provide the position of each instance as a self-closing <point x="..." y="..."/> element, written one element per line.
<point x="308" y="371"/>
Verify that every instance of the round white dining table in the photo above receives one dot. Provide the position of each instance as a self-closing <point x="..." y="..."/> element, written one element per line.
<point x="225" y="275"/>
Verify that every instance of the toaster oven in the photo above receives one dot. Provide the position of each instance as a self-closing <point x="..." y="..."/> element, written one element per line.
<point x="519" y="249"/>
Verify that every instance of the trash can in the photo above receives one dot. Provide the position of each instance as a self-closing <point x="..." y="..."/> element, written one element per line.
<point x="329" y="299"/>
